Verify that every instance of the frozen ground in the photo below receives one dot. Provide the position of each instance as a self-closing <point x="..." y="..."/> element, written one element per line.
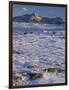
<point x="38" y="57"/>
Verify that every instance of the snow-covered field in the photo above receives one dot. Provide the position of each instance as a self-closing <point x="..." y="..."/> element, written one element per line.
<point x="38" y="55"/>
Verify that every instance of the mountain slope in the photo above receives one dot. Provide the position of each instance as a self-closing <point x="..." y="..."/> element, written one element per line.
<point x="35" y="18"/>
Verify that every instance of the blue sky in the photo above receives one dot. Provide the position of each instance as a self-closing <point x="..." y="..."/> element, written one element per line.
<point x="48" y="11"/>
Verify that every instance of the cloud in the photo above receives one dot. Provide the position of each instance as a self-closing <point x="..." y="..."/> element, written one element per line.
<point x="24" y="9"/>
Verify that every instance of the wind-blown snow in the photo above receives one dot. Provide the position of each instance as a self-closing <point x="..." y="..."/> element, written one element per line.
<point x="37" y="25"/>
<point x="42" y="50"/>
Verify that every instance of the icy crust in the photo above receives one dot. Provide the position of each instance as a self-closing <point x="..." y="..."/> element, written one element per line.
<point x="33" y="53"/>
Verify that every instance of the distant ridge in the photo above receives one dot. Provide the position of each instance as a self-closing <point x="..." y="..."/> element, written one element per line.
<point x="36" y="18"/>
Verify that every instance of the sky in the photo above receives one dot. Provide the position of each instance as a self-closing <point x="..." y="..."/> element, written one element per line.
<point x="46" y="11"/>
